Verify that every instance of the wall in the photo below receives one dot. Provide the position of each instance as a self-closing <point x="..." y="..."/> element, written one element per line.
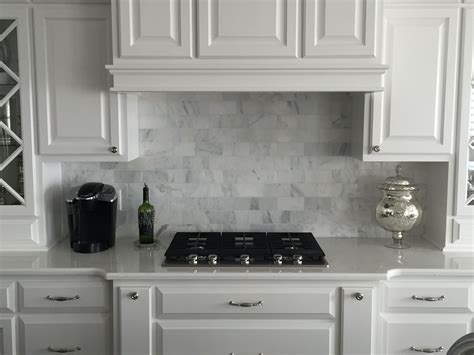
<point x="248" y="162"/>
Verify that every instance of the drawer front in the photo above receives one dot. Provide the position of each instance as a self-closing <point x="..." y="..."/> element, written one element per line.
<point x="36" y="295"/>
<point x="428" y="296"/>
<point x="404" y="334"/>
<point x="81" y="334"/>
<point x="7" y="296"/>
<point x="239" y="337"/>
<point x="188" y="299"/>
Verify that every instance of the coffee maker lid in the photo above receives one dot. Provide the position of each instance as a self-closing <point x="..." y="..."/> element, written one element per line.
<point x="90" y="190"/>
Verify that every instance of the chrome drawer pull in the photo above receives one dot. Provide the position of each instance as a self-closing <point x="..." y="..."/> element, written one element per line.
<point x="427" y="350"/>
<point x="246" y="304"/>
<point x="63" y="350"/>
<point x="62" y="298"/>
<point x="429" y="299"/>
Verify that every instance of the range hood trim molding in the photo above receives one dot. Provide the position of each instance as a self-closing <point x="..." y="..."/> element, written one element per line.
<point x="324" y="79"/>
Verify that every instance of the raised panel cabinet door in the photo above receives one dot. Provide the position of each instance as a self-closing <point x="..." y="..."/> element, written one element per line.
<point x="72" y="48"/>
<point x="357" y="311"/>
<point x="134" y="320"/>
<point x="411" y="334"/>
<point x="415" y="114"/>
<point x="244" y="337"/>
<point x="341" y="28"/>
<point x="84" y="334"/>
<point x="247" y="28"/>
<point x="155" y="28"/>
<point x="7" y="342"/>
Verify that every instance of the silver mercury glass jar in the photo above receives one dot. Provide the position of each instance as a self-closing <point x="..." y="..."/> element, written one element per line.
<point x="398" y="211"/>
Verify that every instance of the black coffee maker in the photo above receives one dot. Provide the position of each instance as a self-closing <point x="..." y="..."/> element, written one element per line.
<point x="92" y="215"/>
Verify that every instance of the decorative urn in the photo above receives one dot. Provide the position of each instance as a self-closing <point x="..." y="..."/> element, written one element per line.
<point x="398" y="211"/>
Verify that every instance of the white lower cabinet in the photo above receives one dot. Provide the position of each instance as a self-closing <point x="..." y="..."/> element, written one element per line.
<point x="245" y="337"/>
<point x="48" y="314"/>
<point x="426" y="315"/>
<point x="47" y="334"/>
<point x="409" y="334"/>
<point x="242" y="318"/>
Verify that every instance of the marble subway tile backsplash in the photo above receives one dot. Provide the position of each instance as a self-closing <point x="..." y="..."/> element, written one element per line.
<point x="248" y="161"/>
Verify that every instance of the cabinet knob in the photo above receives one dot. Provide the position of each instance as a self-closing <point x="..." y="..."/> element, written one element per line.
<point x="359" y="296"/>
<point x="376" y="148"/>
<point x="113" y="150"/>
<point x="134" y="296"/>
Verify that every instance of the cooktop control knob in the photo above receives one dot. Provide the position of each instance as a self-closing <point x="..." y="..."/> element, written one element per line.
<point x="278" y="259"/>
<point x="297" y="259"/>
<point x="245" y="259"/>
<point x="193" y="259"/>
<point x="212" y="259"/>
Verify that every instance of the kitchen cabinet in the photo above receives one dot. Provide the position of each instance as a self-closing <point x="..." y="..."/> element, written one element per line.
<point x="338" y="29"/>
<point x="78" y="117"/>
<point x="414" y="118"/>
<point x="248" y="29"/>
<point x="243" y="45"/>
<point x="46" y="334"/>
<point x="215" y="316"/>
<point x="156" y="29"/>
<point x="7" y="340"/>
<point x="424" y="314"/>
<point x="55" y="314"/>
<point x="422" y="333"/>
<point x="463" y="221"/>
<point x="25" y="223"/>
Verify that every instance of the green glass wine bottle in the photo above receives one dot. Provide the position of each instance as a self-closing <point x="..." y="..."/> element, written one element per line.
<point x="146" y="218"/>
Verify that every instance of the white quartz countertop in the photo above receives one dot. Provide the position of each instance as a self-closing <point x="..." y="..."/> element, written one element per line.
<point x="349" y="259"/>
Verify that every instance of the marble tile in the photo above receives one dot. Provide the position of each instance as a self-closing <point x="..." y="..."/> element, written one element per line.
<point x="249" y="161"/>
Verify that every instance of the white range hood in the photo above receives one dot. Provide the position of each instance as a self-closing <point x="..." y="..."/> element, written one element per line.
<point x="230" y="45"/>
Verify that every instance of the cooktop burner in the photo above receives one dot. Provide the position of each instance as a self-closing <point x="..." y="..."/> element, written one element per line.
<point x="244" y="249"/>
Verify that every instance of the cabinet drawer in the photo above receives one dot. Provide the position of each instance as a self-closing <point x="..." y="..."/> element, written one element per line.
<point x="35" y="295"/>
<point x="401" y="333"/>
<point x="7" y="296"/>
<point x="270" y="337"/>
<point x="186" y="299"/>
<point x="46" y="334"/>
<point x="428" y="296"/>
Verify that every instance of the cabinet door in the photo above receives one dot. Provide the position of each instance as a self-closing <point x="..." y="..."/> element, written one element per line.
<point x="247" y="28"/>
<point x="405" y="334"/>
<point x="155" y="28"/>
<point x="244" y="337"/>
<point x="72" y="48"/>
<point x="64" y="333"/>
<point x="415" y="114"/>
<point x="357" y="320"/>
<point x="134" y="307"/>
<point x="7" y="344"/>
<point x="341" y="28"/>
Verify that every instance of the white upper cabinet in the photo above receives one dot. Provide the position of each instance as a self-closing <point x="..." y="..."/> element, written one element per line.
<point x="155" y="28"/>
<point x="247" y="28"/>
<point x="77" y="114"/>
<point x="415" y="114"/>
<point x="341" y="29"/>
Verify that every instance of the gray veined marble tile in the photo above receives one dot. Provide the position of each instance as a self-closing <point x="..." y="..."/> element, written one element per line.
<point x="223" y="107"/>
<point x="128" y="176"/>
<point x="249" y="161"/>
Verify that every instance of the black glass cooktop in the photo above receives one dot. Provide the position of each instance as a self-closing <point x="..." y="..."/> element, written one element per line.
<point x="244" y="249"/>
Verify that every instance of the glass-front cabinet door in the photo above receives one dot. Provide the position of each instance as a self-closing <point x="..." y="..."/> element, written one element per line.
<point x="470" y="162"/>
<point x="12" y="185"/>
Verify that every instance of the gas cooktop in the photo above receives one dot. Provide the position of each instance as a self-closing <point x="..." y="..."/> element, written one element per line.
<point x="244" y="249"/>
